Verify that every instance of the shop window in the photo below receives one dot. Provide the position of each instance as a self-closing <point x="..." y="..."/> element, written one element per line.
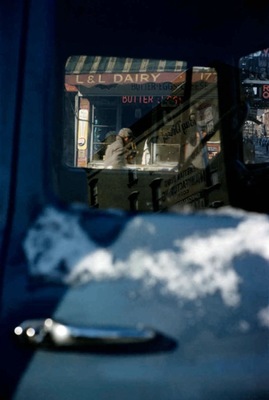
<point x="254" y="70"/>
<point x="172" y="156"/>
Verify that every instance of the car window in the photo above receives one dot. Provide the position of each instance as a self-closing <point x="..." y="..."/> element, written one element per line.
<point x="255" y="83"/>
<point x="145" y="131"/>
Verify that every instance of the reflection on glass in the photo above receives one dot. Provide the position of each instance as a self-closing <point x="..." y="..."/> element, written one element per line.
<point x="171" y="116"/>
<point x="255" y="84"/>
<point x="167" y="113"/>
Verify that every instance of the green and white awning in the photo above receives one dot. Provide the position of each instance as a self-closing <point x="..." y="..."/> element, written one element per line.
<point x="97" y="64"/>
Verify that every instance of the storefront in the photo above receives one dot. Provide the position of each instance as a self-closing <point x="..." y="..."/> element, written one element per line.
<point x="169" y="109"/>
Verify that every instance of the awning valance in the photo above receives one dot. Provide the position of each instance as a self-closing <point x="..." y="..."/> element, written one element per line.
<point x="97" y="64"/>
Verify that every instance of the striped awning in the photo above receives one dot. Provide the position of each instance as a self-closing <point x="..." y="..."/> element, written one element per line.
<point x="97" y="64"/>
<point x="110" y="76"/>
<point x="95" y="75"/>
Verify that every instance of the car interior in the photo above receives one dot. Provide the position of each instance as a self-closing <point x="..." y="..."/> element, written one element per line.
<point x="134" y="265"/>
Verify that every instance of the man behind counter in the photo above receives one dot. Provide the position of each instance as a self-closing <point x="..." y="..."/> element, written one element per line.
<point x="121" y="151"/>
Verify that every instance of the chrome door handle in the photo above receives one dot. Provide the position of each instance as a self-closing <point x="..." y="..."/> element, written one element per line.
<point x="48" y="332"/>
<point x="52" y="334"/>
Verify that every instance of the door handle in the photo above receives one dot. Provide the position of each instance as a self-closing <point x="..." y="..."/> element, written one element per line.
<point x="58" y="335"/>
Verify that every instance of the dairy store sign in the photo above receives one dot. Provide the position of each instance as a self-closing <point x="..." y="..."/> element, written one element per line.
<point x="124" y="78"/>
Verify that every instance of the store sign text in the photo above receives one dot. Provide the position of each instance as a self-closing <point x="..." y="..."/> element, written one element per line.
<point x="183" y="184"/>
<point x="124" y="78"/>
<point x="119" y="78"/>
<point x="166" y="101"/>
<point x="265" y="91"/>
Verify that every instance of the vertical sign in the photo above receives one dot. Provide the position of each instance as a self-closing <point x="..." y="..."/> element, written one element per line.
<point x="82" y="141"/>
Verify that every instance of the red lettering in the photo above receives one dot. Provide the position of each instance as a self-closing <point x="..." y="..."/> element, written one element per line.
<point x="265" y="91"/>
<point x="139" y="99"/>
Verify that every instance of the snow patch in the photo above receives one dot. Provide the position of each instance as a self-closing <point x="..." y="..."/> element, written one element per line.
<point x="201" y="264"/>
